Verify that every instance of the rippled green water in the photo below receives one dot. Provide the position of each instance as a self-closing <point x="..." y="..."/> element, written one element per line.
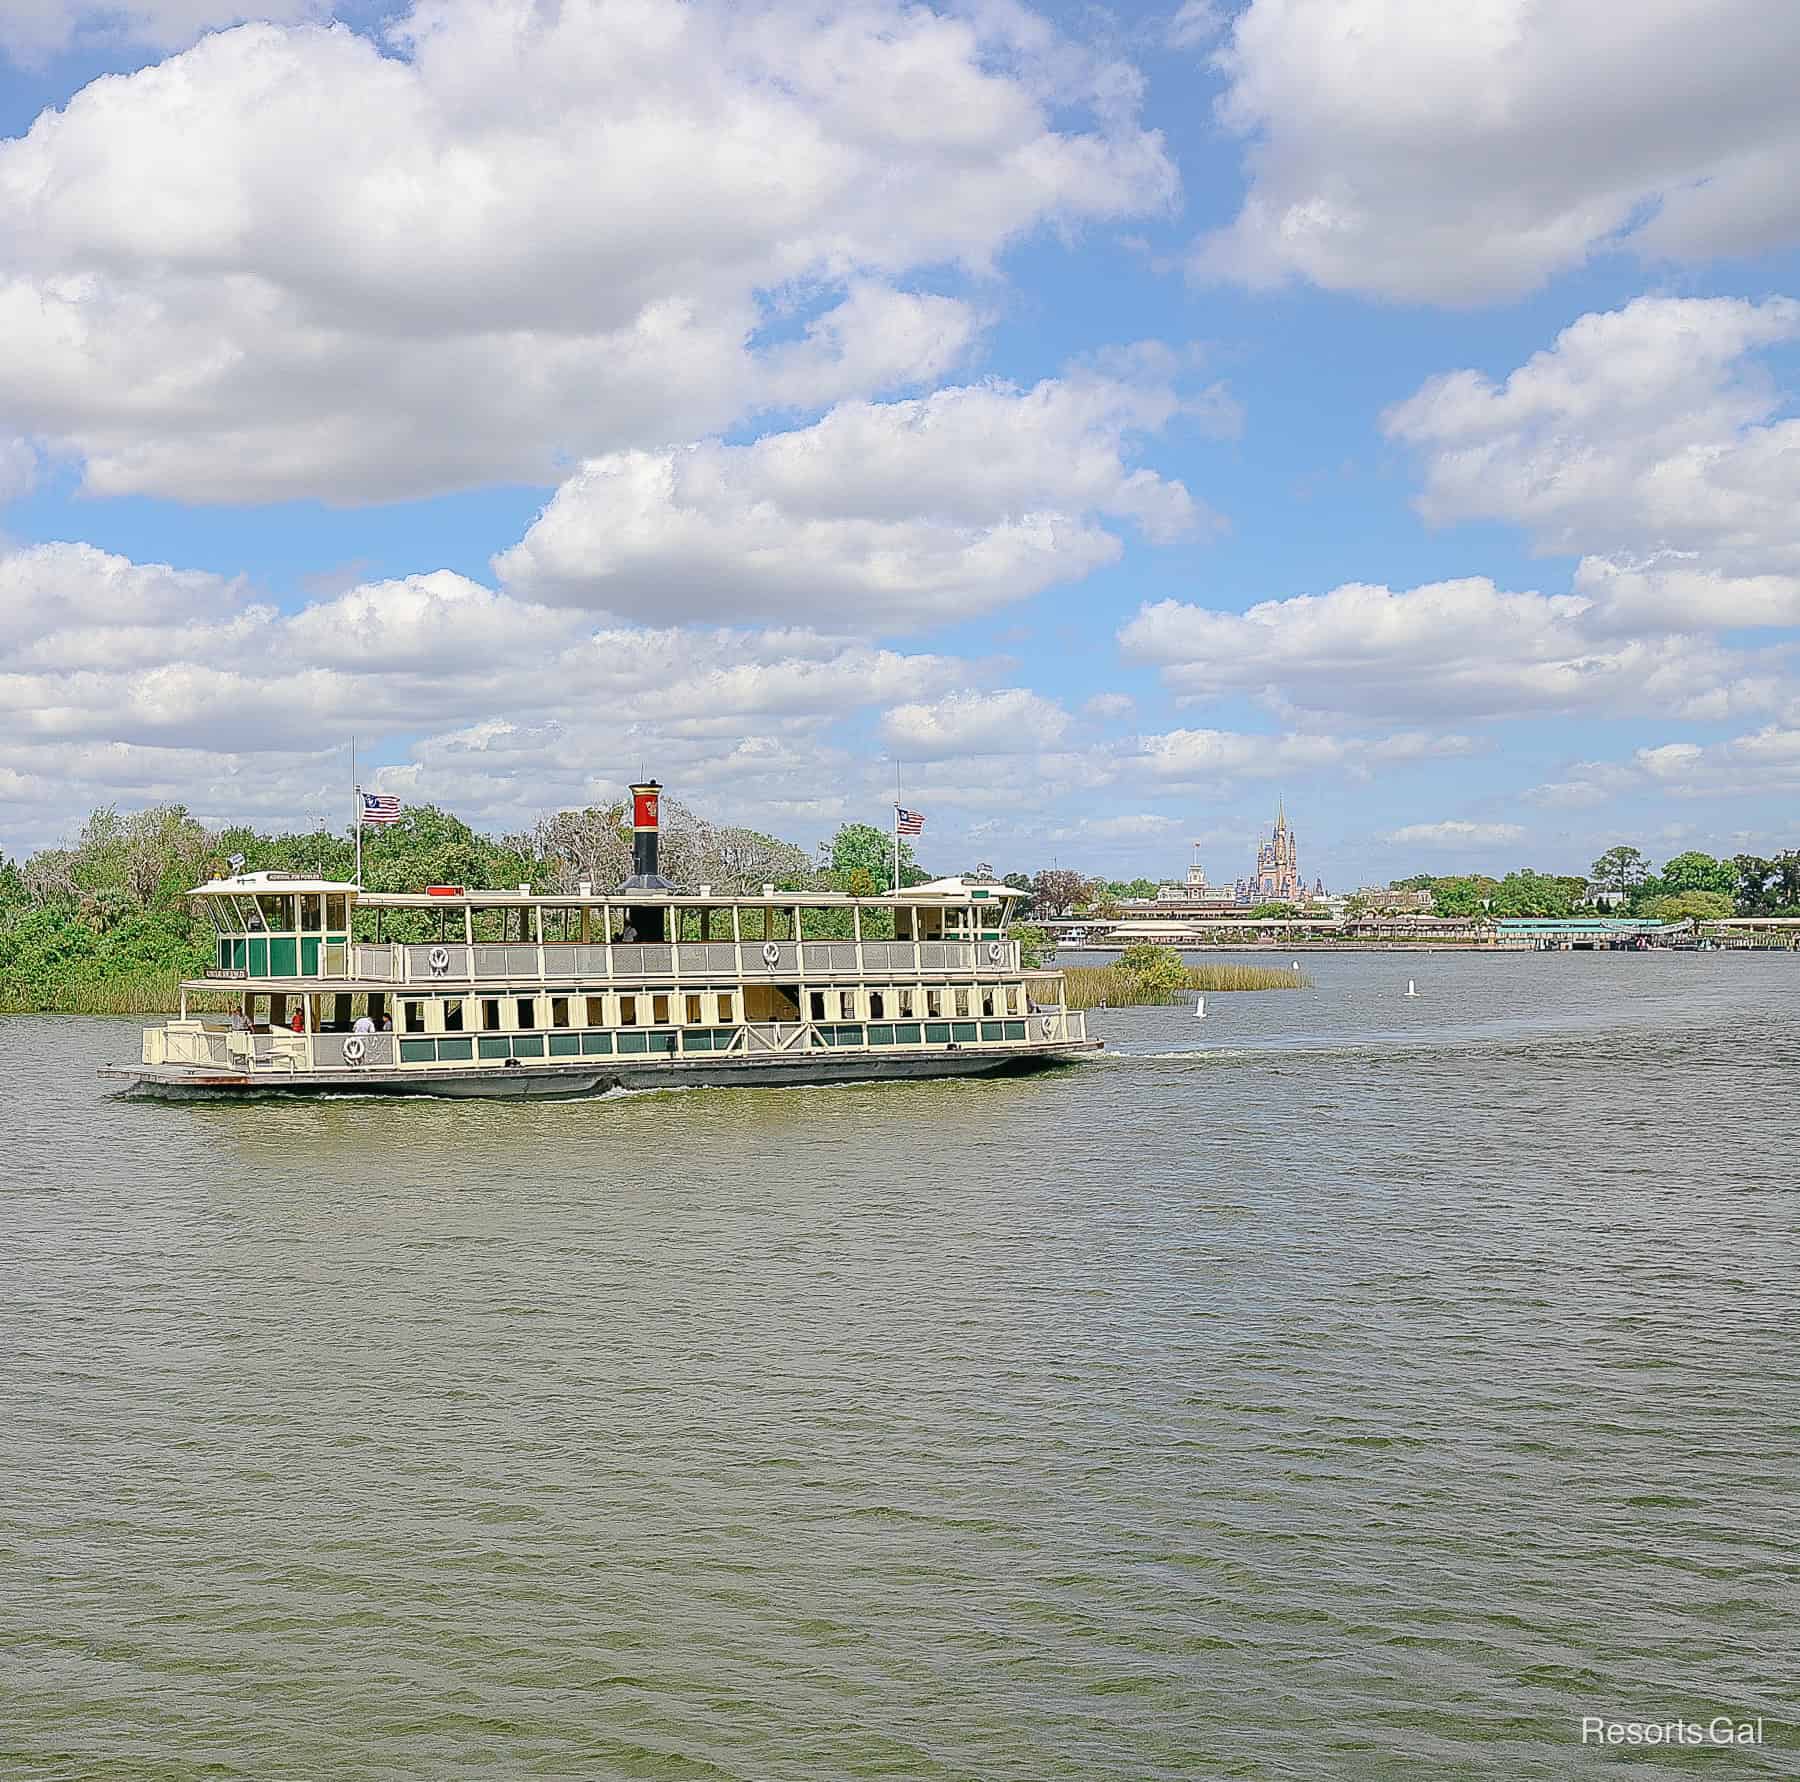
<point x="1372" y="1392"/>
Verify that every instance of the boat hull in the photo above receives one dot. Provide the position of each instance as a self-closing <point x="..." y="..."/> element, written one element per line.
<point x="573" y="1082"/>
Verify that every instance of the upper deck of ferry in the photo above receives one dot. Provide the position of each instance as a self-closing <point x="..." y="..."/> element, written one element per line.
<point x="286" y="931"/>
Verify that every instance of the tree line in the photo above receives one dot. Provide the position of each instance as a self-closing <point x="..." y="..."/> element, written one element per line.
<point x="1691" y="886"/>
<point x="104" y="922"/>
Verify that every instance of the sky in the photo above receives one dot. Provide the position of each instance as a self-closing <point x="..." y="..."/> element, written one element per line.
<point x="1119" y="420"/>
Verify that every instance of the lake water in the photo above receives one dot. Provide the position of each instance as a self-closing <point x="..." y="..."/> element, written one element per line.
<point x="1340" y="1386"/>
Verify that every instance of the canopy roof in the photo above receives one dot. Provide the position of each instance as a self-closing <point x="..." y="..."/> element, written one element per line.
<point x="249" y="884"/>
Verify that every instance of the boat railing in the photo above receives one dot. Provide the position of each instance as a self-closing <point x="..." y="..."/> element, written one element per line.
<point x="457" y="962"/>
<point x="345" y="1051"/>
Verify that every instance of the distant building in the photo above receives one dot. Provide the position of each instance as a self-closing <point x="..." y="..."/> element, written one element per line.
<point x="1277" y="878"/>
<point x="1380" y="901"/>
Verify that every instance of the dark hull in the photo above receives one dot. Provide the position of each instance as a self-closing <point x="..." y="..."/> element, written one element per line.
<point x="571" y="1082"/>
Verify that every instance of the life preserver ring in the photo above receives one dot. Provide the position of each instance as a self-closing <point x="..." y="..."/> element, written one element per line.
<point x="996" y="952"/>
<point x="439" y="960"/>
<point x="354" y="1050"/>
<point x="1048" y="1025"/>
<point x="771" y="954"/>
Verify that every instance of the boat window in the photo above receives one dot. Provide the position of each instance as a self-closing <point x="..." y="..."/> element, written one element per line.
<point x="312" y="913"/>
<point x="962" y="999"/>
<point x="818" y="1005"/>
<point x="490" y="1012"/>
<point x="877" y="1005"/>
<point x="596" y="1011"/>
<point x="659" y="1011"/>
<point x="414" y="1013"/>
<point x="1014" y="1000"/>
<point x="906" y="1004"/>
<point x="337" y="912"/>
<point x="628" y="1011"/>
<point x="846" y="1005"/>
<point x="934" y="1004"/>
<point x="987" y="1001"/>
<point x="726" y="1004"/>
<point x="453" y="1014"/>
<point x="693" y="1011"/>
<point x="559" y="1012"/>
<point x="277" y="911"/>
<point x="527" y="1012"/>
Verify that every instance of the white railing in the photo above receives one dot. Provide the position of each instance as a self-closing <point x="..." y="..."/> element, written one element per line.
<point x="456" y="962"/>
<point x="351" y="1051"/>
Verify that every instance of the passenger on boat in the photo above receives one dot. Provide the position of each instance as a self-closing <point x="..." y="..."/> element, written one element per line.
<point x="298" y="1023"/>
<point x="363" y="1025"/>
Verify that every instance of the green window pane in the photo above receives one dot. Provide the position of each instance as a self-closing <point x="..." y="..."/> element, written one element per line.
<point x="661" y="1042"/>
<point x="449" y="1049"/>
<point x="284" y="958"/>
<point x="993" y="1030"/>
<point x="259" y="959"/>
<point x="309" y="955"/>
<point x="700" y="1041"/>
<point x="722" y="1038"/>
<point x="528" y="1045"/>
<point x="597" y="1045"/>
<point x="937" y="1032"/>
<point x="881" y="1036"/>
<point x="565" y="1045"/>
<point x="1015" y="1029"/>
<point x="495" y="1048"/>
<point x="850" y="1036"/>
<point x="634" y="1042"/>
<point x="417" y="1051"/>
<point x="963" y="1030"/>
<point x="907" y="1034"/>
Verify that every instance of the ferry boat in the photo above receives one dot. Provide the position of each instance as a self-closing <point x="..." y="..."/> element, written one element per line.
<point x="451" y="991"/>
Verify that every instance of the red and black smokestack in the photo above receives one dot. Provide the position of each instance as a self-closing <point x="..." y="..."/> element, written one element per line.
<point x="648" y="921"/>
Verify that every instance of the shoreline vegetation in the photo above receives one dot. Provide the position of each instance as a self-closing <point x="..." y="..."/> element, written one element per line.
<point x="1148" y="976"/>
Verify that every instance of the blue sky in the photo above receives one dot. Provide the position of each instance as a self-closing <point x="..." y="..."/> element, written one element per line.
<point x="1124" y="419"/>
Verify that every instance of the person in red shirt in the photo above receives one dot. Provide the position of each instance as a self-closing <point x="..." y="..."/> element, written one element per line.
<point x="298" y="1024"/>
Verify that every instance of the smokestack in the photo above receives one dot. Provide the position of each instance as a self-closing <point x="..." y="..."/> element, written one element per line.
<point x="648" y="921"/>
<point x="646" y="828"/>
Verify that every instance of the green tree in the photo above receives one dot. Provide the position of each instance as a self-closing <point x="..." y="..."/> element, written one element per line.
<point x="1034" y="944"/>
<point x="1528" y="893"/>
<point x="1694" y="871"/>
<point x="1156" y="972"/>
<point x="1753" y="876"/>
<point x="1461" y="897"/>
<point x="1264" y="911"/>
<point x="1689" y="906"/>
<point x="862" y="844"/>
<point x="1620" y="869"/>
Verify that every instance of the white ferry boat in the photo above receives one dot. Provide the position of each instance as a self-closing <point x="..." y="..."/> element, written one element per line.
<point x="452" y="991"/>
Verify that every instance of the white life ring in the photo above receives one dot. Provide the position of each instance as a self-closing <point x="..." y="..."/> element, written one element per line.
<point x="996" y="952"/>
<point x="771" y="954"/>
<point x="1048" y="1025"/>
<point x="440" y="960"/>
<point x="354" y="1050"/>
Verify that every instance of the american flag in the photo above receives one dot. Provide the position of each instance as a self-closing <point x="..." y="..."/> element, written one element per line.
<point x="380" y="807"/>
<point x="908" y="822"/>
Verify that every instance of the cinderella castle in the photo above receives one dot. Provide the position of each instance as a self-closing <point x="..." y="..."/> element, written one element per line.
<point x="1276" y="878"/>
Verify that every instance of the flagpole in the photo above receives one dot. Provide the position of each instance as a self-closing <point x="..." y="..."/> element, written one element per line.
<point x="356" y="799"/>
<point x="896" y="828"/>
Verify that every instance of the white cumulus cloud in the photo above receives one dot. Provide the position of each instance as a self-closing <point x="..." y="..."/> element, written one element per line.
<point x="878" y="515"/>
<point x="1409" y="149"/>
<point x="291" y="261"/>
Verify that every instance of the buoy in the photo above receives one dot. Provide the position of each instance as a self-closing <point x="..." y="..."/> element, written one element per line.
<point x="1296" y="965"/>
<point x="1200" y="1008"/>
<point x="1412" y="989"/>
